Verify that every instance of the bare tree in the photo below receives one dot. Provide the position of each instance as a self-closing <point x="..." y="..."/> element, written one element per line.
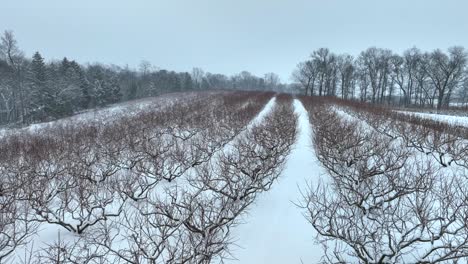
<point x="272" y="80"/>
<point x="197" y="76"/>
<point x="375" y="63"/>
<point x="305" y="74"/>
<point x="14" y="56"/>
<point x="445" y="72"/>
<point x="346" y="69"/>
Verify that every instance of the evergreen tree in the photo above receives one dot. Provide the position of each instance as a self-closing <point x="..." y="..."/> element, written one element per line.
<point x="41" y="96"/>
<point x="84" y="99"/>
<point x="65" y="65"/>
<point x="105" y="85"/>
<point x="68" y="88"/>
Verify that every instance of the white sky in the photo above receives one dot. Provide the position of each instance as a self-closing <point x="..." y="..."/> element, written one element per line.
<point x="229" y="36"/>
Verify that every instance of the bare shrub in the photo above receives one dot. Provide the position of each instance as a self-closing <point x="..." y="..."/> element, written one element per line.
<point x="384" y="202"/>
<point x="136" y="189"/>
<point x="189" y="220"/>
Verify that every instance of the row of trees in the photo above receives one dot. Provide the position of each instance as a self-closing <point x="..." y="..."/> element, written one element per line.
<point x="33" y="90"/>
<point x="155" y="186"/>
<point x="424" y="79"/>
<point x="396" y="189"/>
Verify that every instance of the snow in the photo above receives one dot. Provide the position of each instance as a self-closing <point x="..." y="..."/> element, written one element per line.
<point x="115" y="111"/>
<point x="343" y="114"/>
<point x="265" y="111"/>
<point x="275" y="231"/>
<point x="48" y="233"/>
<point x="451" y="119"/>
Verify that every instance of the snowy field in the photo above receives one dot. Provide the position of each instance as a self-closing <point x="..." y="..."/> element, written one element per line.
<point x="449" y="119"/>
<point x="238" y="177"/>
<point x="116" y="111"/>
<point x="59" y="222"/>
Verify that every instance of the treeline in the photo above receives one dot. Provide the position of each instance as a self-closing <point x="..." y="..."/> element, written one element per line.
<point x="434" y="79"/>
<point x="33" y="90"/>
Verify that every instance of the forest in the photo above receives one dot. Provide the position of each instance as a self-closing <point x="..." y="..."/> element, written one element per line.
<point x="415" y="78"/>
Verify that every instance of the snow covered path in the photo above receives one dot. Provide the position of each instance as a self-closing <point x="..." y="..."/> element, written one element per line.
<point x="275" y="231"/>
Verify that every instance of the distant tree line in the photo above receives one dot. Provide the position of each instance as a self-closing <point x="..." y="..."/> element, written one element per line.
<point x="33" y="90"/>
<point x="434" y="79"/>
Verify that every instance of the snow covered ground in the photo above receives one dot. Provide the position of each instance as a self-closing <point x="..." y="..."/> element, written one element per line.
<point x="451" y="119"/>
<point x="116" y="111"/>
<point x="275" y="231"/>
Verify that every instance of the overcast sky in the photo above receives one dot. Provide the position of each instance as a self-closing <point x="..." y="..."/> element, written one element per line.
<point x="229" y="36"/>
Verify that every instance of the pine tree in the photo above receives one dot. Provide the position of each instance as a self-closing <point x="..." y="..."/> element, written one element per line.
<point x="42" y="97"/>
<point x="115" y="92"/>
<point x="86" y="95"/>
<point x="67" y="83"/>
<point x="105" y="85"/>
<point x="65" y="65"/>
